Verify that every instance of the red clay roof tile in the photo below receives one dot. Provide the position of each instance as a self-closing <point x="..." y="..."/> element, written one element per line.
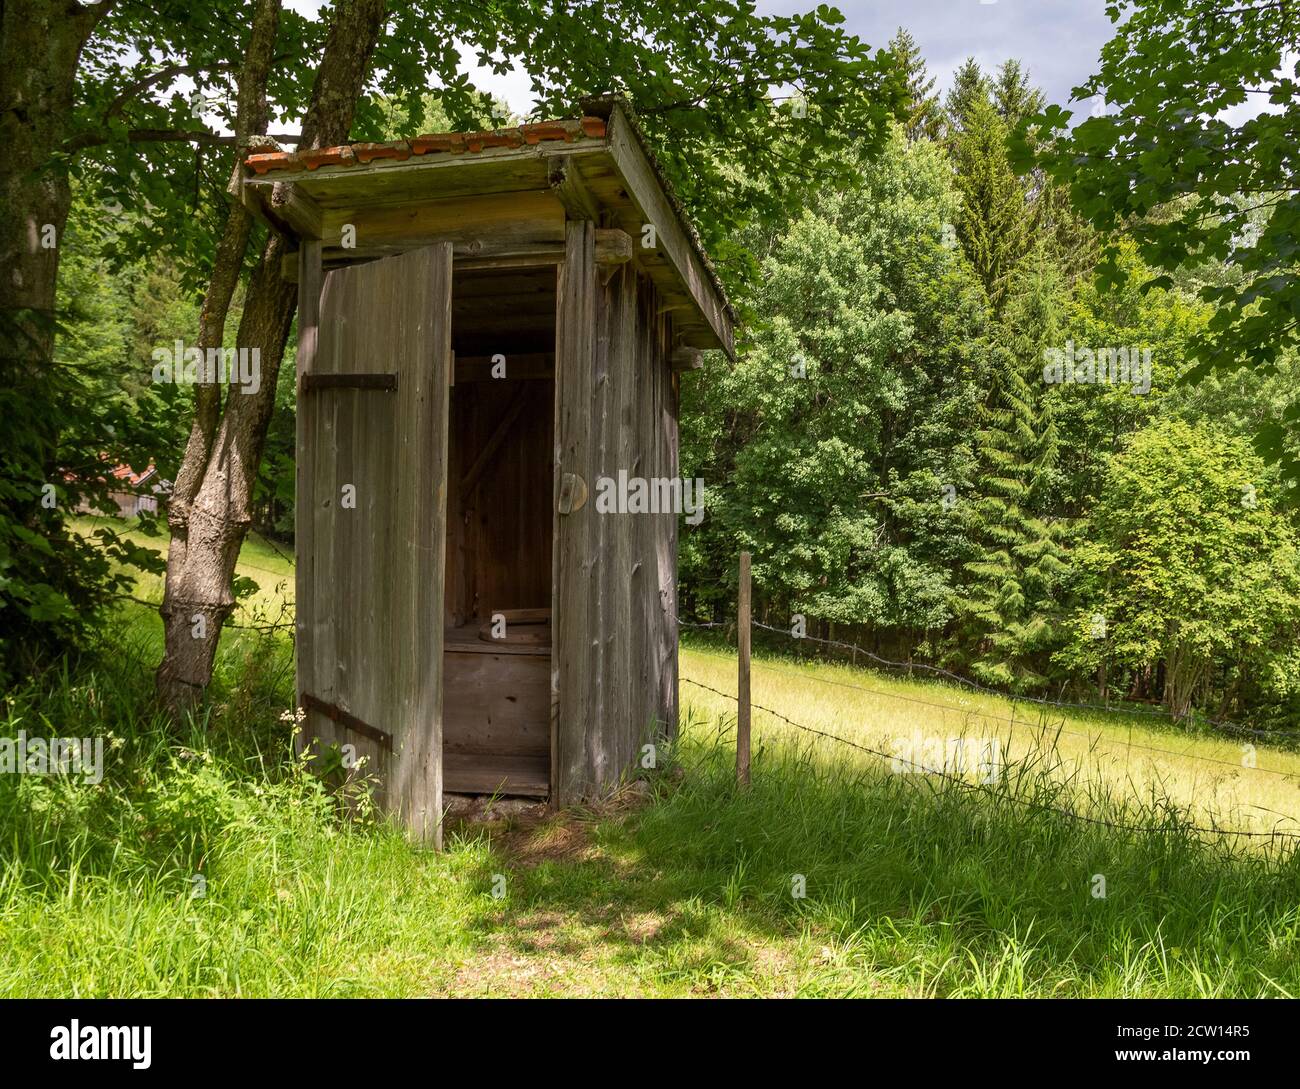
<point x="545" y="130"/>
<point x="315" y="157"/>
<point x="429" y="143"/>
<point x="366" y="153"/>
<point x="261" y="162"/>
<point x="438" y="141"/>
<point x="477" y="141"/>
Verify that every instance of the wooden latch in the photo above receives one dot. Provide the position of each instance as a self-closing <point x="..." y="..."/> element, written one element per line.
<point x="573" y="493"/>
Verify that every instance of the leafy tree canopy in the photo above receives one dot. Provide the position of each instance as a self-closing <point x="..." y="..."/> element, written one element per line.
<point x="1189" y="570"/>
<point x="1190" y="152"/>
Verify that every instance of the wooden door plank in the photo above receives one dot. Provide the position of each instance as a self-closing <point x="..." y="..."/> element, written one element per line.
<point x="306" y="426"/>
<point x="376" y="587"/>
<point x="572" y="562"/>
<point x="495" y="440"/>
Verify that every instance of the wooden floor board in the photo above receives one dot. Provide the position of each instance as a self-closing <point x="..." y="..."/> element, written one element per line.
<point x="481" y="773"/>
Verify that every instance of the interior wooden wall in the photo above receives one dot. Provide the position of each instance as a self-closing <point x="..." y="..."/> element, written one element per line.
<point x="615" y="630"/>
<point x="499" y="530"/>
<point x="503" y="310"/>
<point x="500" y="537"/>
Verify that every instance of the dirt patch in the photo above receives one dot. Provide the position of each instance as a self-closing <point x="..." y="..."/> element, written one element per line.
<point x="540" y="953"/>
<point x="502" y="972"/>
<point x="642" y="927"/>
<point x="531" y="838"/>
<point x="562" y="839"/>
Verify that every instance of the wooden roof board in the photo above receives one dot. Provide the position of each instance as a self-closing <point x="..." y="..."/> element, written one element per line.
<point x="426" y="177"/>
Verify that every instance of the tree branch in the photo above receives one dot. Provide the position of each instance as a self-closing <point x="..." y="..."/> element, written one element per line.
<point x="155" y="136"/>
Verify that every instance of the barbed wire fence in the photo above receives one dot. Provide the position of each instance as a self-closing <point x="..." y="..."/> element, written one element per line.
<point x="745" y="705"/>
<point x="264" y="623"/>
<point x="1223" y="725"/>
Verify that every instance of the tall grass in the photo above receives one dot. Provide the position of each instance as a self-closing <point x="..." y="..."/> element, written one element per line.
<point x="207" y="860"/>
<point x="912" y="884"/>
<point x="916" y="885"/>
<point x="1202" y="772"/>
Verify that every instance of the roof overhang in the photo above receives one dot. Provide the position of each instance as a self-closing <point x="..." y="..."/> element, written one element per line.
<point x="494" y="194"/>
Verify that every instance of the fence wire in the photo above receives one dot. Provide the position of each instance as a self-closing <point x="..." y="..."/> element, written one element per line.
<point x="975" y="686"/>
<point x="978" y="788"/>
<point x="1095" y="739"/>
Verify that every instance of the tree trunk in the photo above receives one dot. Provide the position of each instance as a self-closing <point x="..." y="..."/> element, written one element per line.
<point x="195" y="604"/>
<point x="1182" y="675"/>
<point x="212" y="506"/>
<point x="40" y="47"/>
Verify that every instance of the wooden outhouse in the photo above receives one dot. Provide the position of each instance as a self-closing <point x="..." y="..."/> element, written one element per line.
<point x="489" y="325"/>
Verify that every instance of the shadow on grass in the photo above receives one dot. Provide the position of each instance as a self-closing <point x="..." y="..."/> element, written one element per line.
<point x="910" y="885"/>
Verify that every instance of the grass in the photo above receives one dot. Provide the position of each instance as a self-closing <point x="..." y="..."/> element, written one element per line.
<point x="1205" y="774"/>
<point x="265" y="564"/>
<point x="914" y="885"/>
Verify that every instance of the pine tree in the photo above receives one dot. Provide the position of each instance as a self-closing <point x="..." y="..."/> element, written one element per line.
<point x="924" y="115"/>
<point x="998" y="222"/>
<point x="1007" y="610"/>
<point x="1014" y="97"/>
<point x="969" y="87"/>
<point x="1001" y="224"/>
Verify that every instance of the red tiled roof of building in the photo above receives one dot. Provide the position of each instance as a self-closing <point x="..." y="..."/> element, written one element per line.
<point x="263" y="162"/>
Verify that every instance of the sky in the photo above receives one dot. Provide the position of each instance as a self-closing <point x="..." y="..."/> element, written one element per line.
<point x="1059" y="40"/>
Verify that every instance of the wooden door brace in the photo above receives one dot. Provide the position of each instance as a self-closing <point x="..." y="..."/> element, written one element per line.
<point x="347" y="720"/>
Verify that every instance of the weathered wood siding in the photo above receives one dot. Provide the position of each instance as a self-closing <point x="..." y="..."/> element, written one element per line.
<point x="615" y="657"/>
<point x="370" y="579"/>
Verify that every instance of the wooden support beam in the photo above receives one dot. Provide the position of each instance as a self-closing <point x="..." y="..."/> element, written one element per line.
<point x="686" y="359"/>
<point x="671" y="239"/>
<point x="468" y="256"/>
<point x="504" y="219"/>
<point x="519" y="366"/>
<point x="613" y="251"/>
<point x="742" y="680"/>
<point x="573" y="588"/>
<point x="566" y="183"/>
<point x="286" y="208"/>
<point x="529" y="257"/>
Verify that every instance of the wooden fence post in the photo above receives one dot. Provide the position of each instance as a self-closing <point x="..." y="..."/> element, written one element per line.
<point x="742" y="687"/>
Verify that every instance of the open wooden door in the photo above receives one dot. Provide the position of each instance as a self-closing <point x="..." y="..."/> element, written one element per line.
<point x="374" y="368"/>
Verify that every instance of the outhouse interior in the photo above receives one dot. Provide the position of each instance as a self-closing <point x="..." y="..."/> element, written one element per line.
<point x="497" y="643"/>
<point x="488" y="325"/>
